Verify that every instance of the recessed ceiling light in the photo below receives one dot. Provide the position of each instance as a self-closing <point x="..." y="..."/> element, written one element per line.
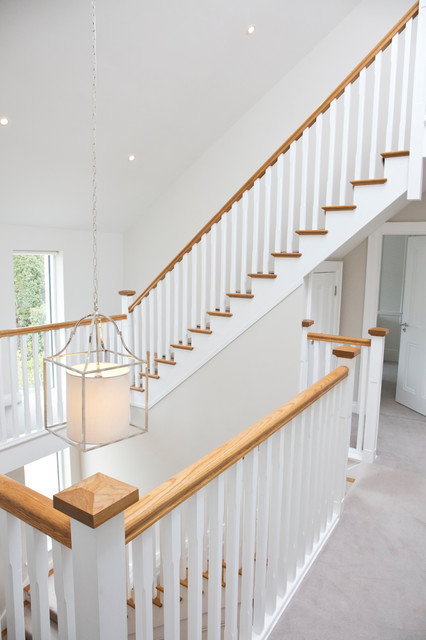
<point x="4" y="121"/>
<point x="132" y="157"/>
<point x="250" y="29"/>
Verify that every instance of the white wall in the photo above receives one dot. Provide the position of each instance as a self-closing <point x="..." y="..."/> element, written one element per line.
<point x="76" y="251"/>
<point x="187" y="205"/>
<point x="254" y="375"/>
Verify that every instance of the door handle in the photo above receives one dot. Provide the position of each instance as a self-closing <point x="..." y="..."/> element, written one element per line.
<point x="404" y="325"/>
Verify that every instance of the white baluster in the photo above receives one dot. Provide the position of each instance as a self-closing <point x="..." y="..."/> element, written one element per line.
<point x="375" y="115"/>
<point x="170" y="546"/>
<point x="373" y="396"/>
<point x="194" y="289"/>
<point x="223" y="260"/>
<point x="176" y="301"/>
<point x="160" y="319"/>
<point x="185" y="292"/>
<point x="195" y="564"/>
<point x="360" y="123"/>
<point x="48" y="381"/>
<point x="362" y="395"/>
<point x="280" y="210"/>
<point x="14" y="384"/>
<point x="25" y="386"/>
<point x="233" y="518"/>
<point x="203" y="283"/>
<point x="392" y="92"/>
<point x="144" y="327"/>
<point x="284" y="549"/>
<point x="331" y="153"/>
<point x="216" y="507"/>
<point x="168" y="316"/>
<point x="345" y="144"/>
<point x="314" y="474"/>
<point x="295" y="497"/>
<point x="304" y="184"/>
<point x="151" y="300"/>
<point x="58" y="342"/>
<point x="317" y="172"/>
<point x="37" y="385"/>
<point x="213" y="266"/>
<point x="275" y="520"/>
<point x="305" y="494"/>
<point x="11" y="550"/>
<point x="250" y="475"/>
<point x="234" y="246"/>
<point x="143" y="584"/>
<point x="244" y="243"/>
<point x="64" y="590"/>
<point x="265" y="455"/>
<point x="256" y="209"/>
<point x="291" y="196"/>
<point x="267" y="221"/>
<point x="404" y="88"/>
<point x="38" y="575"/>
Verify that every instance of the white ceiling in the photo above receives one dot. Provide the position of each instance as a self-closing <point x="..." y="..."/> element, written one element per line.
<point x="173" y="75"/>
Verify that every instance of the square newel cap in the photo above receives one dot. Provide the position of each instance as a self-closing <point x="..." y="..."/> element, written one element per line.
<point x="378" y="331"/>
<point x="95" y="500"/>
<point x="346" y="351"/>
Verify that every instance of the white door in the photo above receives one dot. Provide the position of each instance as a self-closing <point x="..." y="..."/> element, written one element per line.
<point x="411" y="382"/>
<point x="325" y="286"/>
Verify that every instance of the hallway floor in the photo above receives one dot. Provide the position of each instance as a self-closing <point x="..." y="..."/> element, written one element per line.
<point x="369" y="582"/>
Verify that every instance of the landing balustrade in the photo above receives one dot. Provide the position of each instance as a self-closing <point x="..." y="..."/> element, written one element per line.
<point x="219" y="548"/>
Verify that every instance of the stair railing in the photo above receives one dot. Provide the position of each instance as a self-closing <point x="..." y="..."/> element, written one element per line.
<point x="320" y="357"/>
<point x="288" y="197"/>
<point x="236" y="532"/>
<point x="22" y="406"/>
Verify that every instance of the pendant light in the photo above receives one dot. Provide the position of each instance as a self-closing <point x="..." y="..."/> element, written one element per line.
<point x="97" y="380"/>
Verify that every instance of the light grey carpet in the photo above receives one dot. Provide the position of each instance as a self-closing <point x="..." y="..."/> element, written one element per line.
<point x="369" y="582"/>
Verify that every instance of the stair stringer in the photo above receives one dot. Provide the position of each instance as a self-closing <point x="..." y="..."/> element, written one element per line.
<point x="374" y="205"/>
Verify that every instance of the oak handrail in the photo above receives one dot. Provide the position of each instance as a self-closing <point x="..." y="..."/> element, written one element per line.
<point x="22" y="331"/>
<point x="327" y="337"/>
<point x="34" y="509"/>
<point x="365" y="63"/>
<point x="157" y="503"/>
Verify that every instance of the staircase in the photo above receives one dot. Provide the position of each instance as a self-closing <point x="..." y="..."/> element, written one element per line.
<point x="344" y="172"/>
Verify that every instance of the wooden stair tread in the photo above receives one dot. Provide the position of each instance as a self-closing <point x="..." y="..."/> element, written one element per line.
<point x="312" y="232"/>
<point x="198" y="330"/>
<point x="240" y="295"/>
<point x="339" y="207"/>
<point x="361" y="183"/>
<point x="137" y="389"/>
<point x="295" y="254"/>
<point x="154" y="376"/>
<point x="395" y="154"/>
<point x="165" y="361"/>
<point x="220" y="314"/>
<point x="265" y="276"/>
<point x="188" y="347"/>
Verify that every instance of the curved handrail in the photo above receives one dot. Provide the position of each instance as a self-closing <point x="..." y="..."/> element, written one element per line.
<point x="366" y="62"/>
<point x="157" y="503"/>
<point x="22" y="331"/>
<point x="328" y="337"/>
<point x="34" y="509"/>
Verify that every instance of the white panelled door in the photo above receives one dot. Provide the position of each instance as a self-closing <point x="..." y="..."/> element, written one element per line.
<point x="325" y="285"/>
<point x="411" y="382"/>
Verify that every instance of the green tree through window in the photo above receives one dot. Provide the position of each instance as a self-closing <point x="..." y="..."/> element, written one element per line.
<point x="30" y="289"/>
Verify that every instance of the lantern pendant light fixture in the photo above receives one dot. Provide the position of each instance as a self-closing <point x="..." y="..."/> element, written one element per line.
<point x="97" y="380"/>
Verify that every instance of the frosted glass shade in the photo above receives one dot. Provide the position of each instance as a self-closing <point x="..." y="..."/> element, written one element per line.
<point x="106" y="401"/>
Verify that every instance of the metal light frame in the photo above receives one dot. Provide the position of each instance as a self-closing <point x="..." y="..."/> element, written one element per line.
<point x="99" y="353"/>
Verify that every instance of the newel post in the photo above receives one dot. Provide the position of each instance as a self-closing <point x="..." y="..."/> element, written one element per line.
<point x="374" y="390"/>
<point x="417" y="134"/>
<point x="96" y="508"/>
<point x="304" y="354"/>
<point x="346" y="356"/>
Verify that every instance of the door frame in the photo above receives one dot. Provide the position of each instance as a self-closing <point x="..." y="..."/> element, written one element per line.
<point x="328" y="266"/>
<point x="374" y="263"/>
